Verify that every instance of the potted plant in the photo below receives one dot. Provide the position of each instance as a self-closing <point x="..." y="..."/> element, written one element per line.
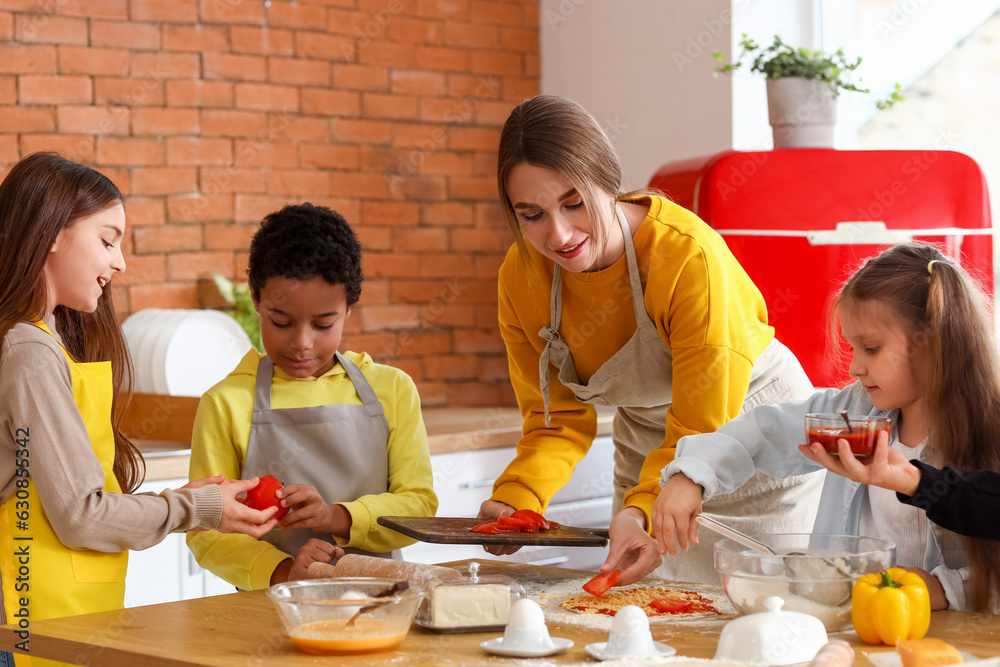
<point x="802" y="89"/>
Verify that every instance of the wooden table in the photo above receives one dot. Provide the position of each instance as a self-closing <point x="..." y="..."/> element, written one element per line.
<point x="244" y="629"/>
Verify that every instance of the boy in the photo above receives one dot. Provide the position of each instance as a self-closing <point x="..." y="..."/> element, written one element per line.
<point x="343" y="433"/>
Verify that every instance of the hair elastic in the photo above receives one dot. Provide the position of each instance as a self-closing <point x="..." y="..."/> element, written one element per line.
<point x="930" y="265"/>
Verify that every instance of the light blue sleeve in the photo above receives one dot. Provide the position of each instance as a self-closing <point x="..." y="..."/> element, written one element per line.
<point x="765" y="439"/>
<point x="955" y="583"/>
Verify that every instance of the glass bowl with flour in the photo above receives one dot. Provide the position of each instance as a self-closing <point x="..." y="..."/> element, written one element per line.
<point x="813" y="574"/>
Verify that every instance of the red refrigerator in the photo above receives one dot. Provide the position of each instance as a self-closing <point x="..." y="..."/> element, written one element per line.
<point x="801" y="220"/>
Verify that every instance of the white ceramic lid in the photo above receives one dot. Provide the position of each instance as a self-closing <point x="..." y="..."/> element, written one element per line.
<point x="773" y="637"/>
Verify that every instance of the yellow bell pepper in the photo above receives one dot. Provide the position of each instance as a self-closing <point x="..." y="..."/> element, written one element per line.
<point x="890" y="606"/>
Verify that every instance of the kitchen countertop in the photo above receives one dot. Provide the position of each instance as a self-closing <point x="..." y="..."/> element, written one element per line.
<point x="244" y="629"/>
<point x="160" y="426"/>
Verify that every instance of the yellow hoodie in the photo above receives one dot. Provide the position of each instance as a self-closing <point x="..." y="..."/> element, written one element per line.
<point x="706" y="309"/>
<point x="219" y="447"/>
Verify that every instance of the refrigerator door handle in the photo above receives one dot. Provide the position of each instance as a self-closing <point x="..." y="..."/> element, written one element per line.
<point x="858" y="233"/>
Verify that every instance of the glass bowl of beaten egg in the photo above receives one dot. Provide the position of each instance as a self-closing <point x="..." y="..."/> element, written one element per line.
<point x="316" y="614"/>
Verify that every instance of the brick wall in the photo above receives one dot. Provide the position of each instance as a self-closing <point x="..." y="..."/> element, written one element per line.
<point x="209" y="114"/>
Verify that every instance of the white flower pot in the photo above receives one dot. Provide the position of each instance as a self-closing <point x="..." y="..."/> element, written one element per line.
<point x="802" y="112"/>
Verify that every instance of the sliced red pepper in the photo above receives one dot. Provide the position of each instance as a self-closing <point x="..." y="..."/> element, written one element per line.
<point x="671" y="606"/>
<point x="602" y="583"/>
<point x="533" y="518"/>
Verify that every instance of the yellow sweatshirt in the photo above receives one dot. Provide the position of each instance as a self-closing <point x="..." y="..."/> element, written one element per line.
<point x="219" y="446"/>
<point x="706" y="309"/>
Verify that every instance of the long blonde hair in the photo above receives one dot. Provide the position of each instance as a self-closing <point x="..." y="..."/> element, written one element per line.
<point x="558" y="134"/>
<point x="43" y="194"/>
<point x="955" y="355"/>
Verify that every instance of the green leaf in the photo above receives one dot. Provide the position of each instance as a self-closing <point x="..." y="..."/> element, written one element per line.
<point x="244" y="311"/>
<point x="225" y="287"/>
<point x="780" y="60"/>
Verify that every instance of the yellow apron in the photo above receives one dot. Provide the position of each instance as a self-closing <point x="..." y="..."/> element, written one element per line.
<point x="41" y="577"/>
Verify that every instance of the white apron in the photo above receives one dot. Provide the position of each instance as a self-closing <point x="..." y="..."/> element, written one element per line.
<point x="341" y="449"/>
<point x="638" y="381"/>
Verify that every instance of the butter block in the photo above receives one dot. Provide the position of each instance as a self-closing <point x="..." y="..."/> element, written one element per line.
<point x="927" y="653"/>
<point x="470" y="606"/>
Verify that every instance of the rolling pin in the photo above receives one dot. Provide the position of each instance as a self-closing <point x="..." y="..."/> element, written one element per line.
<point x="354" y="565"/>
<point x="837" y="653"/>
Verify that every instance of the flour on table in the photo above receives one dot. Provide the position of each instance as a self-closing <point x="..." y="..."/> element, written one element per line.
<point x="674" y="661"/>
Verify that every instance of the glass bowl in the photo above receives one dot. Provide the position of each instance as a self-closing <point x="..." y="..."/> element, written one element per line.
<point x="315" y="614"/>
<point x="813" y="574"/>
<point x="828" y="428"/>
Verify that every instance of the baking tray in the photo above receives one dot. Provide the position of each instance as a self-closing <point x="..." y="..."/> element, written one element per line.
<point x="455" y="530"/>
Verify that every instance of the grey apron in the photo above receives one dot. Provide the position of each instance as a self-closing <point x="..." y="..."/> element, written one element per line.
<point x="638" y="381"/>
<point x="340" y="449"/>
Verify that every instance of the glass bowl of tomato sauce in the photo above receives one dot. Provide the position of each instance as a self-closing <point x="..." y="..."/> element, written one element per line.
<point x="861" y="433"/>
<point x="317" y="614"/>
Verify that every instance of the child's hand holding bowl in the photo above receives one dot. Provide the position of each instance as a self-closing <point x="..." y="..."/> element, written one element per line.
<point x="885" y="467"/>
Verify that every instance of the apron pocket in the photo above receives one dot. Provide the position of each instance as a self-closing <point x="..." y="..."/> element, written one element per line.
<point x="98" y="567"/>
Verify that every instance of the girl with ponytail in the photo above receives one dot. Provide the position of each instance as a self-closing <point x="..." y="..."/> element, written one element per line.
<point x="923" y="353"/>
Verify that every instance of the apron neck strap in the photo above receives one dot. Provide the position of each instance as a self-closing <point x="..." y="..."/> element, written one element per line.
<point x="361" y="385"/>
<point x="44" y="327"/>
<point x="633" y="268"/>
<point x="265" y="375"/>
<point x="555" y="296"/>
<point x="551" y="332"/>
<point x="262" y="388"/>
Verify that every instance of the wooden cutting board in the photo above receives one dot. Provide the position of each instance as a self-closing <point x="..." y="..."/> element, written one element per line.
<point x="454" y="530"/>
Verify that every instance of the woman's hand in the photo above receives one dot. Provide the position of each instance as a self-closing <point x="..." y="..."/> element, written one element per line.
<point x="309" y="510"/>
<point x="938" y="599"/>
<point x="632" y="550"/>
<point x="236" y="516"/>
<point x="674" y="511"/>
<point x="491" y="509"/>
<point x="313" y="551"/>
<point x="886" y="468"/>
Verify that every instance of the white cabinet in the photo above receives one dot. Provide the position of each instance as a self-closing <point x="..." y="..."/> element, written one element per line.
<point x="168" y="571"/>
<point x="463" y="480"/>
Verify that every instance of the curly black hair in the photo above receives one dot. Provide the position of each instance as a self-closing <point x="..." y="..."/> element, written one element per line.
<point x="301" y="242"/>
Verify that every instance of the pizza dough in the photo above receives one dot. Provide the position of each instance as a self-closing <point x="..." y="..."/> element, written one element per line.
<point x="640" y="596"/>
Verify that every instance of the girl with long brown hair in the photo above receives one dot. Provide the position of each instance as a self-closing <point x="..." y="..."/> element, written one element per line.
<point x="923" y="353"/>
<point x="67" y="474"/>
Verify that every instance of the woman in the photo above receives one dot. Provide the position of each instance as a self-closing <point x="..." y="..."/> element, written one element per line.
<point x="637" y="304"/>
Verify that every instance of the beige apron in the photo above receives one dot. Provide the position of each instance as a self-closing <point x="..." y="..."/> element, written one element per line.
<point x="340" y="449"/>
<point x="638" y="381"/>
